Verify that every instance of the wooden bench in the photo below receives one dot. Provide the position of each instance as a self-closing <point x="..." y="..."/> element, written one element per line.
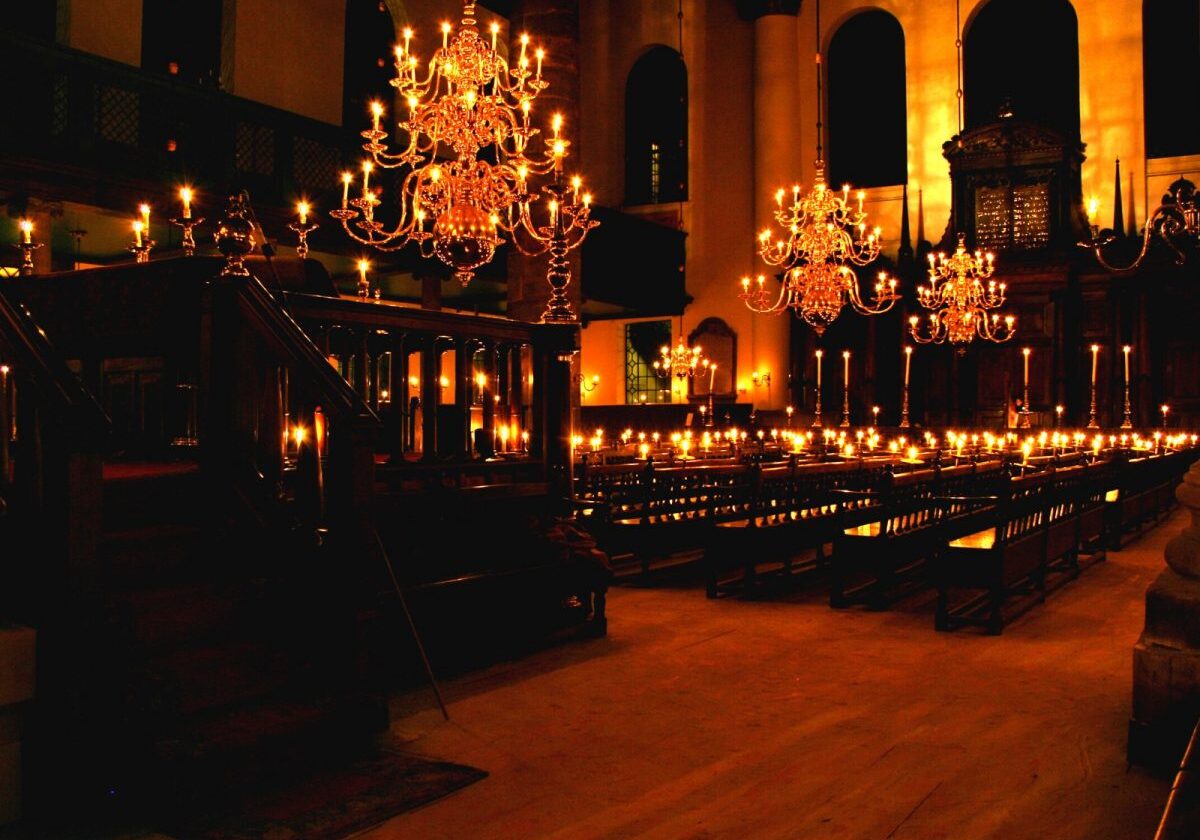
<point x="790" y="510"/>
<point x="874" y="560"/>
<point x="1006" y="557"/>
<point x="1142" y="492"/>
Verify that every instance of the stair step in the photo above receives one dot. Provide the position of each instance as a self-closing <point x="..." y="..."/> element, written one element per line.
<point x="137" y="494"/>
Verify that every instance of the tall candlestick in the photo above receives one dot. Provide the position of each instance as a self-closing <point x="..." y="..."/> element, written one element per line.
<point x="1127" y="421"/>
<point x="845" y="388"/>
<point x="1023" y="419"/>
<point x="907" y="363"/>
<point x="185" y="195"/>
<point x="1092" y="422"/>
<point x="144" y="209"/>
<point x="816" y="423"/>
<point x="26" y="231"/>
<point x="904" y="422"/>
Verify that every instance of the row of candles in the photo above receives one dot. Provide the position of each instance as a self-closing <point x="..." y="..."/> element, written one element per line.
<point x="686" y="445"/>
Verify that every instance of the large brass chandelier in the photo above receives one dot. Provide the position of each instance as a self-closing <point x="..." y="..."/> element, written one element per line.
<point x="824" y="238"/>
<point x="960" y="302"/>
<point x="469" y="158"/>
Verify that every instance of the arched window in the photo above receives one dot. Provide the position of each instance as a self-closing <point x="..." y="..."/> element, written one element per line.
<point x="656" y="129"/>
<point x="868" y="136"/>
<point x="367" y="68"/>
<point x="193" y="55"/>
<point x="1023" y="56"/>
<point x="1170" y="54"/>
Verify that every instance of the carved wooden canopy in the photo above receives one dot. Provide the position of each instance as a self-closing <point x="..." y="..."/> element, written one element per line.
<point x="1016" y="187"/>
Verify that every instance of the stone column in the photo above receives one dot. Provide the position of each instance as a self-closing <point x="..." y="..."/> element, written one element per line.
<point x="1166" y="659"/>
<point x="778" y="155"/>
<point x="554" y="26"/>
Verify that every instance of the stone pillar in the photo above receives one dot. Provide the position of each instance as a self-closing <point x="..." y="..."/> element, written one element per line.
<point x="553" y="25"/>
<point x="778" y="156"/>
<point x="1166" y="659"/>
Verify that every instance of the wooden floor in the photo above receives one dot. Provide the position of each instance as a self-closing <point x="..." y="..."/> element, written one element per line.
<point x="784" y="719"/>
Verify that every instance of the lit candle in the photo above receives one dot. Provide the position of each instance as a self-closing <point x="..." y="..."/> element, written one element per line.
<point x="846" y="367"/>
<point x="820" y="355"/>
<point x="540" y="54"/>
<point x="346" y="179"/>
<point x="553" y="213"/>
<point x="1093" y="206"/>
<point x="302" y="210"/>
<point x="144" y="209"/>
<point x="363" y="265"/>
<point x="445" y="35"/>
<point x="366" y="169"/>
<point x="1126" y="350"/>
<point x="1026" y="351"/>
<point x="408" y="33"/>
<point x="376" y="113"/>
<point x="185" y="195"/>
<point x="1095" y="356"/>
<point x="137" y="233"/>
<point x="495" y="31"/>
<point x="907" y="362"/>
<point x="524" y="44"/>
<point x="26" y="231"/>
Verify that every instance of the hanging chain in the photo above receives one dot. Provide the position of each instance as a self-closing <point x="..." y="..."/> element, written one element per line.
<point x="958" y="49"/>
<point x="820" y="147"/>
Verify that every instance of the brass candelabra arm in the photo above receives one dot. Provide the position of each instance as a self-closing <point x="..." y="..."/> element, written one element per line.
<point x="302" y="231"/>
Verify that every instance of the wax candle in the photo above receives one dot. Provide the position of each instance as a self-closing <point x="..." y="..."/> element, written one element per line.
<point x="820" y="354"/>
<point x="144" y="209"/>
<point x="185" y="195"/>
<point x="1126" y="350"/>
<point x="907" y="362"/>
<point x="1026" y="351"/>
<point x="366" y="169"/>
<point x="346" y="179"/>
<point x="1095" y="355"/>
<point x="846" y="367"/>
<point x="302" y="210"/>
<point x="137" y="233"/>
<point x="26" y="231"/>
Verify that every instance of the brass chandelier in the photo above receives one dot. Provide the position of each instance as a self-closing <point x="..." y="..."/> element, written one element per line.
<point x="959" y="301"/>
<point x="680" y="361"/>
<point x="824" y="238"/>
<point x="469" y="158"/>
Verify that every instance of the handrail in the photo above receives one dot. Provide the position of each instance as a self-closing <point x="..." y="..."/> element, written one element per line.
<point x="290" y="340"/>
<point x="36" y="356"/>
<point x="387" y="315"/>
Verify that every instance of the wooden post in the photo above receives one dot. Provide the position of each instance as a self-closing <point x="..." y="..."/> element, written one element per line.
<point x="489" y="402"/>
<point x="431" y="371"/>
<point x="465" y="385"/>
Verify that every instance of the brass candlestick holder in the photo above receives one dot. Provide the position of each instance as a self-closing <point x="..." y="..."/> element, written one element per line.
<point x="816" y="423"/>
<point x="141" y="250"/>
<point x="1127" y="423"/>
<point x="904" y="421"/>
<point x="187" y="223"/>
<point x="302" y="231"/>
<point x="845" y="406"/>
<point x="1092" y="423"/>
<point x="27" y="249"/>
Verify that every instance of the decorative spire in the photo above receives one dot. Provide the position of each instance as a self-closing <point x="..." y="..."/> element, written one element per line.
<point x="906" y="249"/>
<point x="1133" y="232"/>
<point x="1118" y="224"/>
<point x="920" y="215"/>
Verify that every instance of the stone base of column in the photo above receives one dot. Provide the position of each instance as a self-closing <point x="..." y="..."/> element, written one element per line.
<point x="1166" y="659"/>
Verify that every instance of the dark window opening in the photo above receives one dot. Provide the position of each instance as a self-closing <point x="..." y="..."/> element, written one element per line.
<point x="1170" y="55"/>
<point x="192" y="55"/>
<point x="656" y="129"/>
<point x="644" y="341"/>
<point x="1022" y="56"/>
<point x="868" y="118"/>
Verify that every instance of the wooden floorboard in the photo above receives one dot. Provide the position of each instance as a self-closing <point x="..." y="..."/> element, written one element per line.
<point x="782" y="718"/>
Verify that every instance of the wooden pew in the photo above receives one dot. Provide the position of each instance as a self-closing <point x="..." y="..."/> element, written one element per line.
<point x="791" y="510"/>
<point x="1142" y="492"/>
<point x="872" y="560"/>
<point x="1006" y="557"/>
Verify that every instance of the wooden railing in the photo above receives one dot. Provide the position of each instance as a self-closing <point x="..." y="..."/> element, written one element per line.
<point x="462" y="398"/>
<point x="51" y="433"/>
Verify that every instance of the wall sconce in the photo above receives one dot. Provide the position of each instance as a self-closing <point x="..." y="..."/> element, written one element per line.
<point x="443" y="382"/>
<point x="585" y="384"/>
<point x="761" y="378"/>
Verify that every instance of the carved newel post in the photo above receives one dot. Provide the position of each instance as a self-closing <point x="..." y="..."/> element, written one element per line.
<point x="1166" y="659"/>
